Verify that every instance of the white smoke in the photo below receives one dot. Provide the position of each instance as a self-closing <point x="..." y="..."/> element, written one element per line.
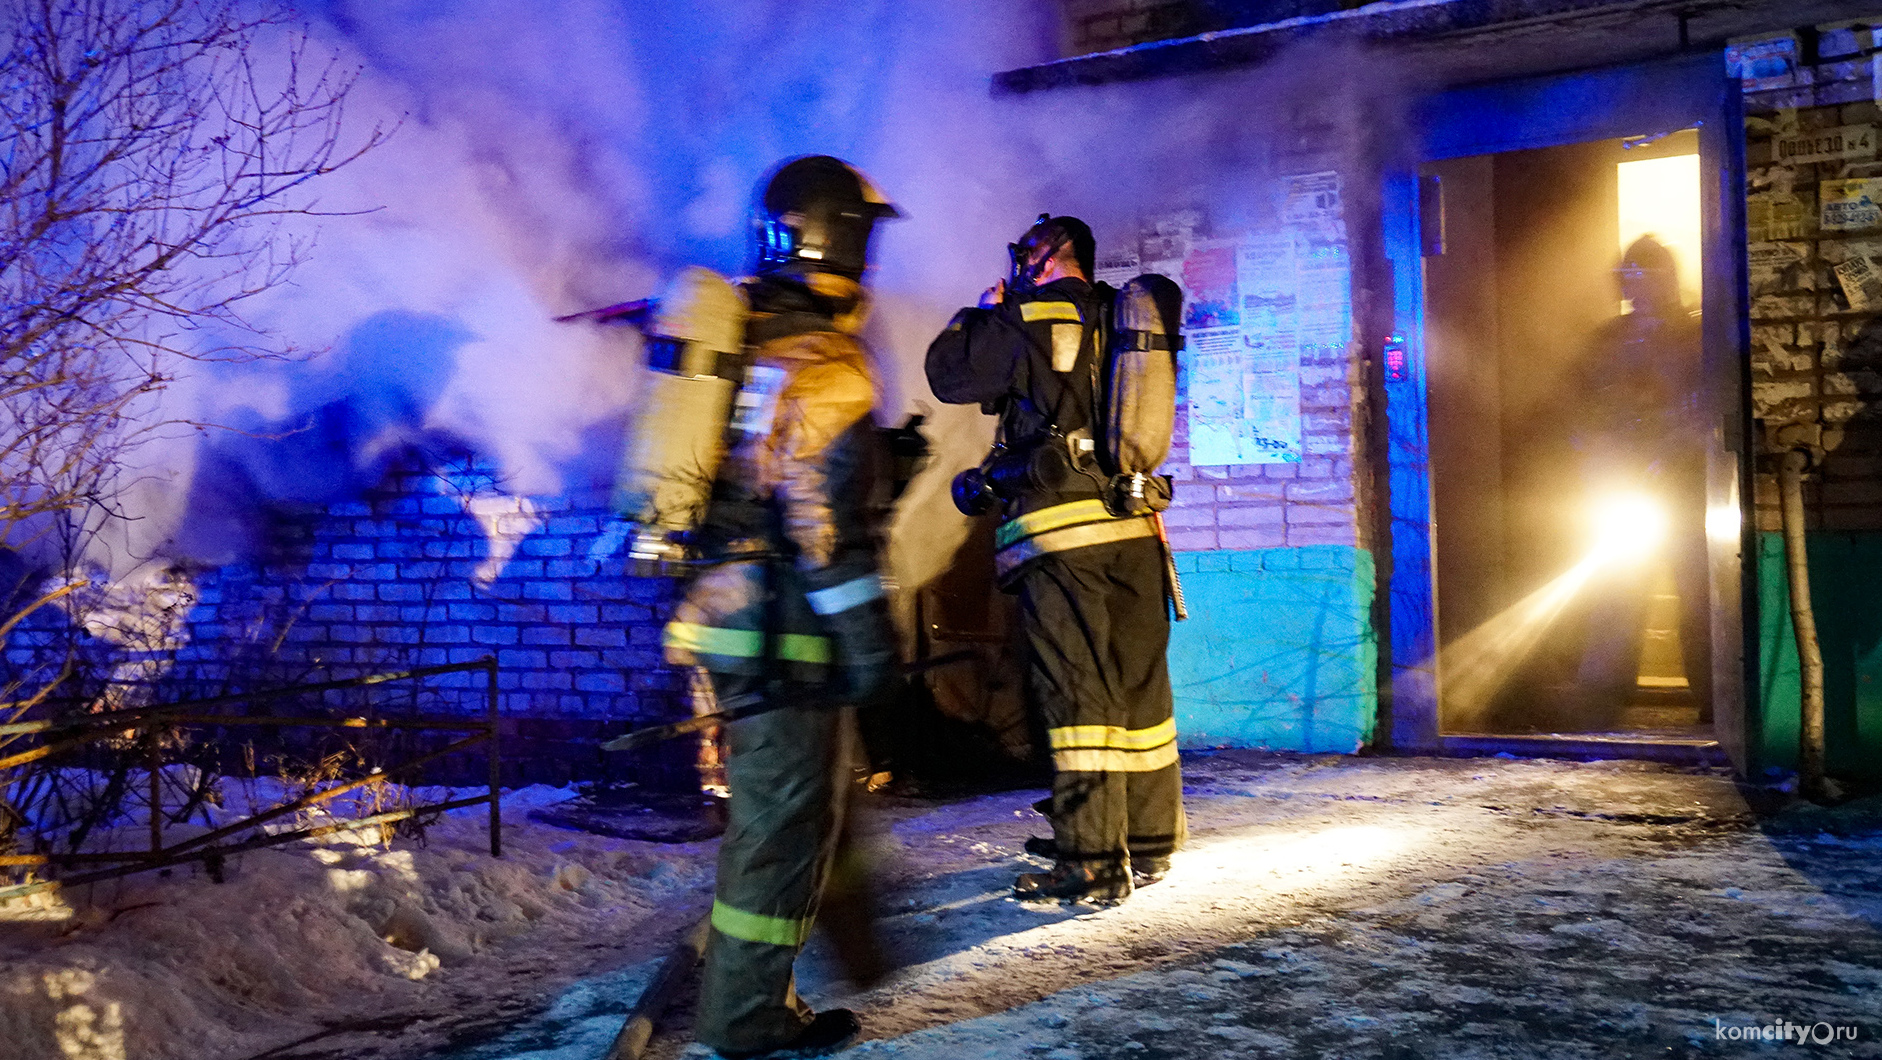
<point x="568" y="154"/>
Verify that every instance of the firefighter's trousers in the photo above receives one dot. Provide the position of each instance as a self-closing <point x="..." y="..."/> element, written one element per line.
<point x="785" y="769"/>
<point x="1098" y="633"/>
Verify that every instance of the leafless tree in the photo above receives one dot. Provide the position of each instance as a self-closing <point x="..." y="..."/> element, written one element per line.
<point x="150" y="153"/>
<point x="154" y="158"/>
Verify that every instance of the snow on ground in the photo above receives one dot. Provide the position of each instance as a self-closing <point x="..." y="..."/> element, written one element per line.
<point x="323" y="933"/>
<point x="1326" y="907"/>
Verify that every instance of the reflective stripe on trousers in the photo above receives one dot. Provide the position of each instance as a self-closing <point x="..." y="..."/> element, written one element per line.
<point x="784" y="768"/>
<point x="757" y="927"/>
<point x="1113" y="748"/>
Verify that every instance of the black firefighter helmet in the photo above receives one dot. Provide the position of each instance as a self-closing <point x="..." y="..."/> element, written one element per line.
<point x="817" y="212"/>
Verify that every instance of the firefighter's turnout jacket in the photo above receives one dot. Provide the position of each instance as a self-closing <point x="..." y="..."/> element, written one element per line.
<point x="791" y="608"/>
<point x="1091" y="586"/>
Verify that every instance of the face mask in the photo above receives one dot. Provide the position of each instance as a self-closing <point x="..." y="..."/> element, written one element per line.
<point x="1024" y="275"/>
<point x="1026" y="270"/>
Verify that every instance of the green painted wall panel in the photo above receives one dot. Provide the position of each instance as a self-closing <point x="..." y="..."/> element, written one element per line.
<point x="1846" y="594"/>
<point x="1279" y="650"/>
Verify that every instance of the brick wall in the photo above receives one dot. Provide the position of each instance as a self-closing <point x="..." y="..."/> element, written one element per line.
<point x="1101" y="25"/>
<point x="406" y="577"/>
<point x="1247" y="506"/>
<point x="1814" y="358"/>
<point x="1317" y="500"/>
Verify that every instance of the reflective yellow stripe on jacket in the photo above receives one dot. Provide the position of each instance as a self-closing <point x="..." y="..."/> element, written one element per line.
<point x="1032" y="311"/>
<point x="1113" y="748"/>
<point x="757" y="927"/>
<point x="1075" y="524"/>
<point x="744" y="643"/>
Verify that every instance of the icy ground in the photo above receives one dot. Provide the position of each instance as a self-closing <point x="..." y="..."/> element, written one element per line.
<point x="1333" y="907"/>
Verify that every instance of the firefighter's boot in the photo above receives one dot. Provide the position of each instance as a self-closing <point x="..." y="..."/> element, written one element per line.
<point x="1084" y="882"/>
<point x="1145" y="870"/>
<point x="830" y="1031"/>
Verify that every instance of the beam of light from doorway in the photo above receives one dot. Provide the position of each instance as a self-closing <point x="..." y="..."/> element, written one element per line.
<point x="1472" y="668"/>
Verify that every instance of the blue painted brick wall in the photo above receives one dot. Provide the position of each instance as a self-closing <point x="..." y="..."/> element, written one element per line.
<point x="387" y="582"/>
<point x="1278" y="651"/>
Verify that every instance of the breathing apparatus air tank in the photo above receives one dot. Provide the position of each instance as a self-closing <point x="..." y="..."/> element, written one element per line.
<point x="1137" y="394"/>
<point x="695" y="338"/>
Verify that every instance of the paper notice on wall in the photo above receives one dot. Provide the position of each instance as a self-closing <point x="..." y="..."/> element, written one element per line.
<point x="1210" y="292"/>
<point x="1775" y="267"/>
<point x="1212" y="341"/>
<point x="1311" y="205"/>
<point x="1215" y="405"/>
<point x="1166" y="236"/>
<point x="1265" y="269"/>
<point x="1270" y="408"/>
<point x="1846" y="205"/>
<point x="1325" y="295"/>
<point x="1775" y="216"/>
<point x="1861" y="282"/>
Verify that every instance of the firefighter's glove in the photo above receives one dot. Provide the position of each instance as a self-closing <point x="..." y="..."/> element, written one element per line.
<point x="871" y="670"/>
<point x="865" y="648"/>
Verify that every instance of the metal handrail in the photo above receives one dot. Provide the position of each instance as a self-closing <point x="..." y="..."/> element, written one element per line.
<point x="80" y="730"/>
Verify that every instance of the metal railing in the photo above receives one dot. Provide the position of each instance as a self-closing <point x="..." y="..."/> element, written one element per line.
<point x="153" y="723"/>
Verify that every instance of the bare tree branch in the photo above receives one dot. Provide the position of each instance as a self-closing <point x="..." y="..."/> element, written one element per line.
<point x="154" y="158"/>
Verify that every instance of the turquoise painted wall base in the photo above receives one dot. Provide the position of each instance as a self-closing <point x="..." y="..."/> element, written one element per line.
<point x="1279" y="650"/>
<point x="1846" y="594"/>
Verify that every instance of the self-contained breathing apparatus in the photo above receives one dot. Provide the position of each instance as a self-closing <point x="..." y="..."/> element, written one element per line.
<point x="693" y="333"/>
<point x="814" y="215"/>
<point x="1133" y="389"/>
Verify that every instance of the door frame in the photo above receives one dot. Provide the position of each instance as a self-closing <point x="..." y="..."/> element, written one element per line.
<point x="1549" y="111"/>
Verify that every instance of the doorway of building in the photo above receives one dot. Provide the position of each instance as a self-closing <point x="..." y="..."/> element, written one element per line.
<point x="1556" y="584"/>
<point x="1563" y="303"/>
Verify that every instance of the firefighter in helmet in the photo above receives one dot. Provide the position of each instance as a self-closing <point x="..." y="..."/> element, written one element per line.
<point x="790" y="606"/>
<point x="1091" y="585"/>
<point x="1643" y="429"/>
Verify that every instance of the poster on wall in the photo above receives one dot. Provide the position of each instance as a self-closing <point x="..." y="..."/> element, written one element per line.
<point x="1270" y="349"/>
<point x="1767" y="63"/>
<point x="1849" y="205"/>
<point x="1861" y="282"/>
<point x="1254" y="306"/>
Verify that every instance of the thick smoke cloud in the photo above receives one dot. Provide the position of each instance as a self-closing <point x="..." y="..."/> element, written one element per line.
<point x="567" y="154"/>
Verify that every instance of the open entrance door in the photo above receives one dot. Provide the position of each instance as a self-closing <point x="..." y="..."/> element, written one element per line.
<point x="1567" y="429"/>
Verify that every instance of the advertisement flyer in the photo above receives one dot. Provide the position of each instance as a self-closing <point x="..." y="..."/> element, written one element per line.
<point x="1861" y="282"/>
<point x="1847" y="205"/>
<point x="1270" y="335"/>
<point x="1210" y="298"/>
<point x="1253" y="305"/>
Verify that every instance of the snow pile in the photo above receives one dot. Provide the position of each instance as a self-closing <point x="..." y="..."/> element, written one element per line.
<point x="304" y="934"/>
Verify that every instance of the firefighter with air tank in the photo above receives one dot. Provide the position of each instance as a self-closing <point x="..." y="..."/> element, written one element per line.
<point x="1084" y="387"/>
<point x="786" y="610"/>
